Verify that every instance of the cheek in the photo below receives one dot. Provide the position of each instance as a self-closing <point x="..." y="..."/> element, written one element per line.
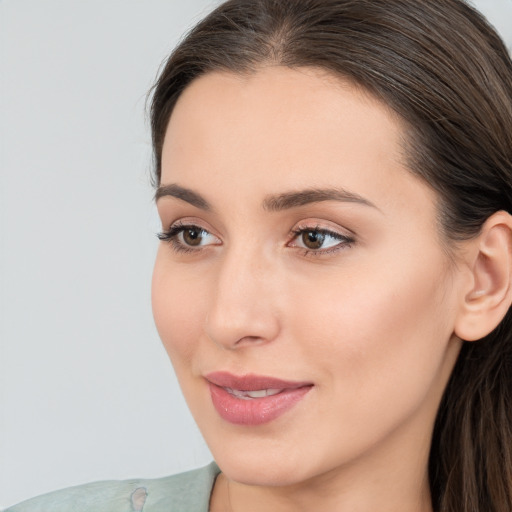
<point x="380" y="331"/>
<point x="178" y="303"/>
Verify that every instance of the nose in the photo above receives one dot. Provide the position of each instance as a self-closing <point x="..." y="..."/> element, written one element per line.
<point x="243" y="307"/>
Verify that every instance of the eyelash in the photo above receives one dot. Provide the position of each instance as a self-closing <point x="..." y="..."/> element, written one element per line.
<point x="344" y="240"/>
<point x="171" y="237"/>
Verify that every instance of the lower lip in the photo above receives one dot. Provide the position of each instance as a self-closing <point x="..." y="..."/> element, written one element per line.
<point x="255" y="411"/>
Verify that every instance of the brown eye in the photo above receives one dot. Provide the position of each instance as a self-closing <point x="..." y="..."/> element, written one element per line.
<point x="313" y="239"/>
<point x="192" y="236"/>
<point x="317" y="240"/>
<point x="188" y="238"/>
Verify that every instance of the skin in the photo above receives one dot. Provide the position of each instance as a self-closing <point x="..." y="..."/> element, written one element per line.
<point x="369" y="322"/>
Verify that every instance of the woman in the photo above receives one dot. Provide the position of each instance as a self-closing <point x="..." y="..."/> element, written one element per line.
<point x="334" y="279"/>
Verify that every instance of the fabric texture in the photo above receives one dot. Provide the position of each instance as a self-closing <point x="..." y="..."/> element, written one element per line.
<point x="185" y="492"/>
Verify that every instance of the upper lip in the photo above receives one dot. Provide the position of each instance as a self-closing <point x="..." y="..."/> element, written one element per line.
<point x="251" y="382"/>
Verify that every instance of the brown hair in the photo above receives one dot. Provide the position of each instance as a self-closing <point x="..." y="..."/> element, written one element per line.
<point x="446" y="72"/>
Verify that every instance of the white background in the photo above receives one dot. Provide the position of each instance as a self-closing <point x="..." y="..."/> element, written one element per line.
<point x="86" y="390"/>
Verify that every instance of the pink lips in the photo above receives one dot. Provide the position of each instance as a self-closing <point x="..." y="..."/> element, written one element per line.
<point x="253" y="399"/>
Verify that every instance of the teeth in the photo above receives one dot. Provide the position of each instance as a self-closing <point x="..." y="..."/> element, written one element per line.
<point x="271" y="392"/>
<point x="248" y="395"/>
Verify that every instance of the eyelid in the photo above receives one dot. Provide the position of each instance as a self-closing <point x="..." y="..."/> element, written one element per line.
<point x="322" y="226"/>
<point x="188" y="222"/>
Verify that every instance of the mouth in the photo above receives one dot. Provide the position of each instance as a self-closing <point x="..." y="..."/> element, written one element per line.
<point x="253" y="399"/>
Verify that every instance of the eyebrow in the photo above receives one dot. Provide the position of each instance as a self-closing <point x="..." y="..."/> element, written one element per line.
<point x="273" y="203"/>
<point x="304" y="197"/>
<point x="185" y="194"/>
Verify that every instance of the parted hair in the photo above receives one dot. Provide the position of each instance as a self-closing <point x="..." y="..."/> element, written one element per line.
<point x="444" y="70"/>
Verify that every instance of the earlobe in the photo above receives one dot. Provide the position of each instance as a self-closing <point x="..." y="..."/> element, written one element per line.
<point x="490" y="294"/>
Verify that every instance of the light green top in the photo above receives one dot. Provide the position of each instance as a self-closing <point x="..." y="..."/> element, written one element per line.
<point x="186" y="492"/>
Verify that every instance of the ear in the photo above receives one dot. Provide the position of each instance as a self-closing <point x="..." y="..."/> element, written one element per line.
<point x="488" y="295"/>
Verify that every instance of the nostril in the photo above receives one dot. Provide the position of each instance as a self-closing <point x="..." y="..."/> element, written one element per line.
<point x="249" y="340"/>
<point x="225" y="341"/>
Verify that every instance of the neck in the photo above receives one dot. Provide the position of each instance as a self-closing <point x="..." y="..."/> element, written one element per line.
<point x="390" y="477"/>
<point x="391" y="484"/>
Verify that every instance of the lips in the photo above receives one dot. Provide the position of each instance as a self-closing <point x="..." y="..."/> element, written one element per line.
<point x="253" y="399"/>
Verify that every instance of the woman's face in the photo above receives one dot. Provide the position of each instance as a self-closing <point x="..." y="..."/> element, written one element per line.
<point x="302" y="262"/>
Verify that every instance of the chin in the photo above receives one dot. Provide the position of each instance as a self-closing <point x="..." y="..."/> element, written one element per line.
<point x="262" y="465"/>
<point x="261" y="473"/>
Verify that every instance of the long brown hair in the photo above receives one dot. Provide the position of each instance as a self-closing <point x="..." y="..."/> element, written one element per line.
<point x="446" y="72"/>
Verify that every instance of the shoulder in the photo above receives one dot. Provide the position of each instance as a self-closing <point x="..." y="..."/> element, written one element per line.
<point x="185" y="492"/>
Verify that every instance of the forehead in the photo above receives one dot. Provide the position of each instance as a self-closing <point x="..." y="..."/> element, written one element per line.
<point x="286" y="128"/>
